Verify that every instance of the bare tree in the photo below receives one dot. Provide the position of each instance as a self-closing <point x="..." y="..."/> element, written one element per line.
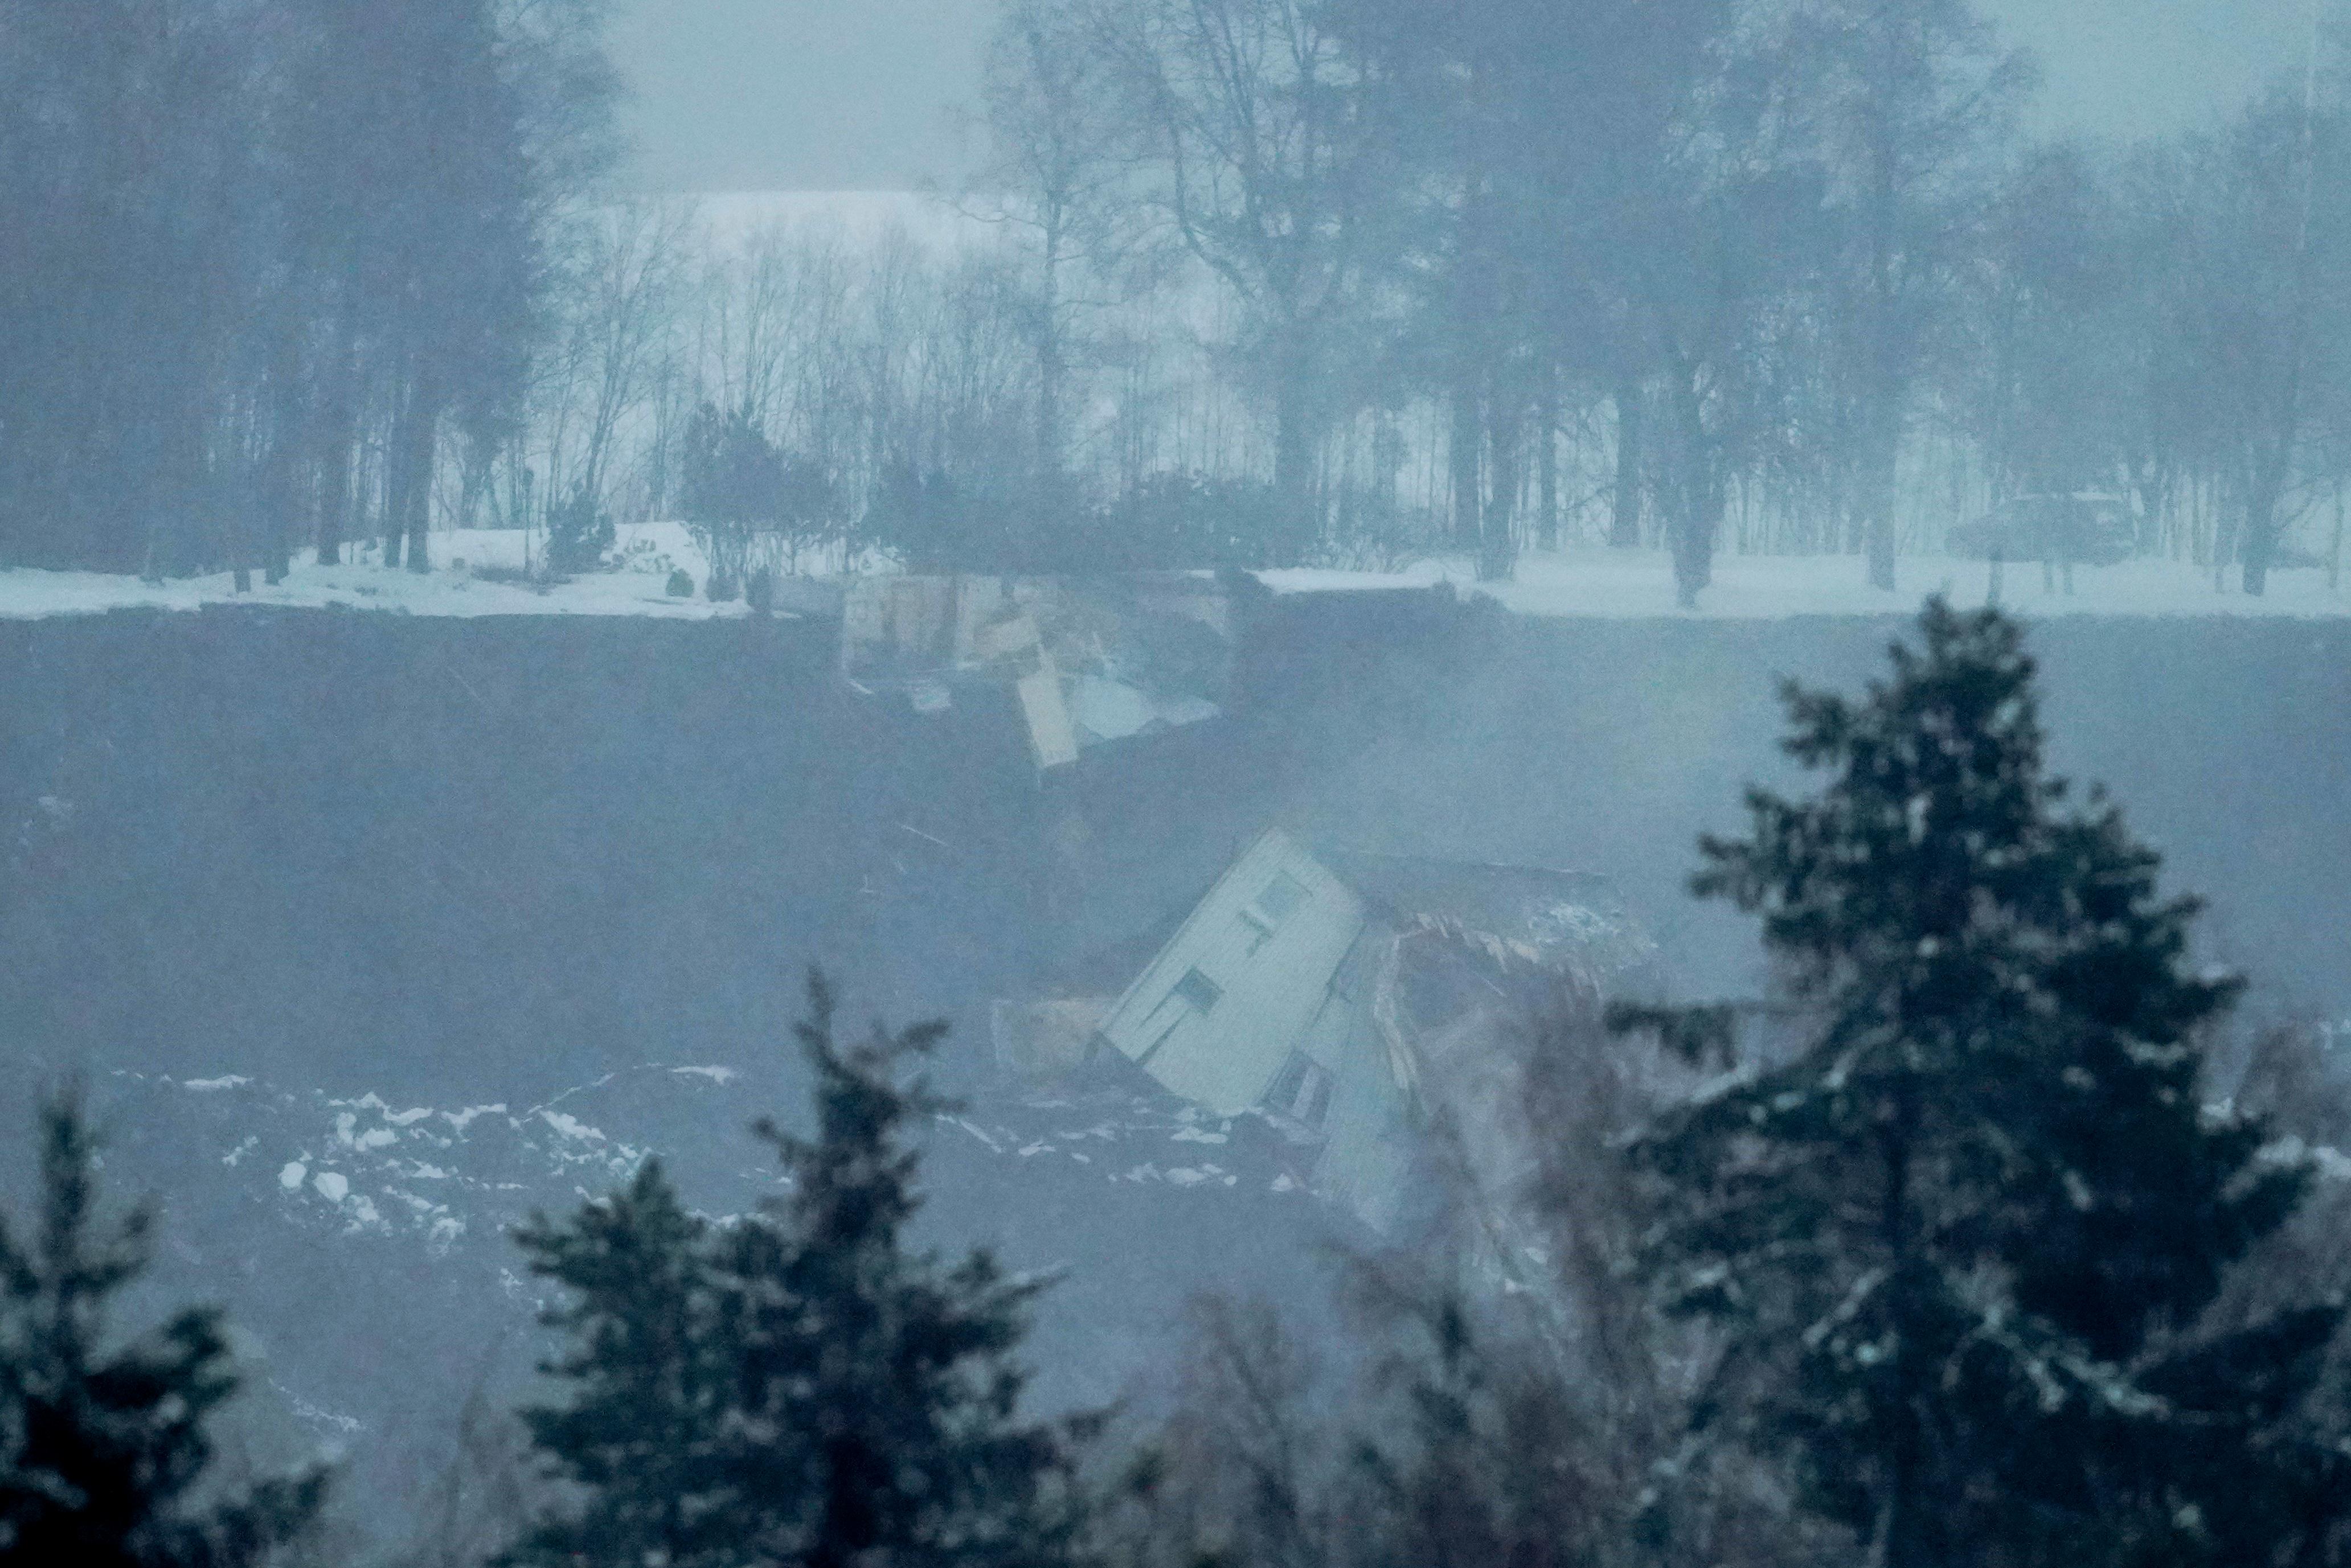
<point x="620" y="299"/>
<point x="1247" y="1466"/>
<point x="1061" y="175"/>
<point x="2256" y="336"/>
<point x="1267" y="171"/>
<point x="1912" y="99"/>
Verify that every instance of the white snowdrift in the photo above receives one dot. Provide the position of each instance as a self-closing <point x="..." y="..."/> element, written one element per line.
<point x="455" y="587"/>
<point x="1595" y="583"/>
<point x="1627" y="585"/>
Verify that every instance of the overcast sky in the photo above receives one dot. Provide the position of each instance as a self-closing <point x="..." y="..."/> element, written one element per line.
<point x="742" y="95"/>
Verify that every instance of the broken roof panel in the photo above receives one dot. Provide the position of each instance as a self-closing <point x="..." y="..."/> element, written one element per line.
<point x="1537" y="914"/>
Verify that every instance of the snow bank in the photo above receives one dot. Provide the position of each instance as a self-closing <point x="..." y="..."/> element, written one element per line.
<point x="456" y="586"/>
<point x="1639" y="585"/>
<point x="1593" y="584"/>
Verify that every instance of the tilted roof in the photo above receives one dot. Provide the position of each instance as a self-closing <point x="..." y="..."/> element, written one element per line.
<point x="1531" y="906"/>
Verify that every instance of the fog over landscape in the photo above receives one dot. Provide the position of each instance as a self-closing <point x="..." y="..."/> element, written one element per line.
<point x="740" y="95"/>
<point x="1151" y="784"/>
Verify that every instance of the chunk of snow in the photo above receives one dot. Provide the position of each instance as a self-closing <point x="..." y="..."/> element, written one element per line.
<point x="332" y="1186"/>
<point x="310" y="1412"/>
<point x="570" y="1125"/>
<point x="715" y="1074"/>
<point x="293" y="1176"/>
<point x="213" y="1085"/>
<point x="993" y="1147"/>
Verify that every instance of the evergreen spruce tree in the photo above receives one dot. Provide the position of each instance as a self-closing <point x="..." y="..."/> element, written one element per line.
<point x="636" y="1439"/>
<point x="103" y="1449"/>
<point x="807" y="1389"/>
<point x="1958" y="1214"/>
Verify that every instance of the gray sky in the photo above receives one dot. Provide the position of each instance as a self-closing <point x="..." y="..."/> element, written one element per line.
<point x="737" y="95"/>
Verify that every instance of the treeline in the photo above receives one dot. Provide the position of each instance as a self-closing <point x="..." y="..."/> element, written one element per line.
<point x="1968" y="1244"/>
<point x="1776" y="276"/>
<point x="1241" y="281"/>
<point x="273" y="270"/>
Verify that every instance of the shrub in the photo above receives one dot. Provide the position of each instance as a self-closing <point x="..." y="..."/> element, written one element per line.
<point x="579" y="532"/>
<point x="681" y="584"/>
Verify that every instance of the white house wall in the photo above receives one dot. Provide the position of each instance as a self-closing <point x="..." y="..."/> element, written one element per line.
<point x="1273" y="985"/>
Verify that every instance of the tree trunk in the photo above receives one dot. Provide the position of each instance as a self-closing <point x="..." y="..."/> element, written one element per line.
<point x="1547" y="433"/>
<point x="1462" y="453"/>
<point x="2258" y="545"/>
<point x="1050" y="371"/>
<point x="335" y="435"/>
<point x="1877" y="508"/>
<point x="409" y="483"/>
<point x="1624" y="528"/>
<point x="1904" y="1525"/>
<point x="278" y="488"/>
<point x="1293" y="460"/>
<point x="1697" y="497"/>
<point x="1498" y="546"/>
<point x="1693" y="535"/>
<point x="2335" y="552"/>
<point x="334" y="482"/>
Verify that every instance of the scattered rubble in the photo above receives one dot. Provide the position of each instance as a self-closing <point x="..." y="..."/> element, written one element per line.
<point x="1090" y="660"/>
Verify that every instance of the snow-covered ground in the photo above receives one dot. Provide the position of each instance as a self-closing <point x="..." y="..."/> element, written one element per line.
<point x="455" y="587"/>
<point x="1627" y="585"/>
<point x="1601" y="584"/>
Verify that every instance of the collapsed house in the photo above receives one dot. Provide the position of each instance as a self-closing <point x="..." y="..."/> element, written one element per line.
<point x="1370" y="1006"/>
<point x="1090" y="660"/>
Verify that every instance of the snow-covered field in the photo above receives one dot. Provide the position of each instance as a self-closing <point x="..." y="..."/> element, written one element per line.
<point x="455" y="587"/>
<point x="1626" y="584"/>
<point x="1601" y="583"/>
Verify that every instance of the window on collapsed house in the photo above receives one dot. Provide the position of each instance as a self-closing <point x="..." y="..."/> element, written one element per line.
<point x="1194" y="995"/>
<point x="1200" y="994"/>
<point x="1301" y="1090"/>
<point x="1273" y="905"/>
